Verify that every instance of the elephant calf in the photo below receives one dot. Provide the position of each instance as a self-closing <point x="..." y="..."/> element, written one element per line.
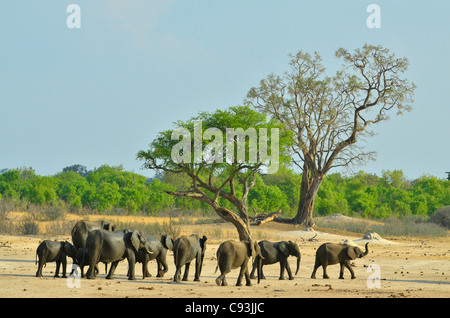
<point x="232" y="254"/>
<point x="82" y="260"/>
<point x="113" y="247"/>
<point x="54" y="251"/>
<point x="159" y="249"/>
<point x="274" y="252"/>
<point x="330" y="254"/>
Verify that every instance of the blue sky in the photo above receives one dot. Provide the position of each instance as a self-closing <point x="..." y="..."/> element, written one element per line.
<point x="99" y="94"/>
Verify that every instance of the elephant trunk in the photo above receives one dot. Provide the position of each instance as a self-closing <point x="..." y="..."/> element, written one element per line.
<point x="259" y="266"/>
<point x="367" y="250"/>
<point x="298" y="265"/>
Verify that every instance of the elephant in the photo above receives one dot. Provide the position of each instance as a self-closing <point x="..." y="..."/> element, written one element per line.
<point x="54" y="251"/>
<point x="82" y="259"/>
<point x="185" y="249"/>
<point x="159" y="249"/>
<point x="113" y="247"/>
<point x="274" y="252"/>
<point x="82" y="228"/>
<point x="233" y="254"/>
<point x="330" y="254"/>
<point x="79" y="235"/>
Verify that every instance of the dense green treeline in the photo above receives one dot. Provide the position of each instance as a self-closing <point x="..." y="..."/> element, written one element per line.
<point x="111" y="189"/>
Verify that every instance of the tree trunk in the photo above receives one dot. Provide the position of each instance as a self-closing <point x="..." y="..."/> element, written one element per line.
<point x="241" y="226"/>
<point x="239" y="221"/>
<point x="308" y="192"/>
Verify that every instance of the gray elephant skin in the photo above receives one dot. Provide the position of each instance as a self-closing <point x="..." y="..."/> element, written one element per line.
<point x="159" y="249"/>
<point x="54" y="251"/>
<point x="278" y="252"/>
<point x="185" y="250"/>
<point x="79" y="235"/>
<point x="113" y="247"/>
<point x="330" y="254"/>
<point x="234" y="254"/>
<point x="82" y="228"/>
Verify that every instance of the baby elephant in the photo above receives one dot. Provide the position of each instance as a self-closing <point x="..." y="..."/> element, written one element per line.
<point x="278" y="252"/>
<point x="330" y="254"/>
<point x="54" y="251"/>
<point x="232" y="254"/>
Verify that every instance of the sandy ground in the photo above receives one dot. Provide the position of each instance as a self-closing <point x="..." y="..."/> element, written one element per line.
<point x="408" y="268"/>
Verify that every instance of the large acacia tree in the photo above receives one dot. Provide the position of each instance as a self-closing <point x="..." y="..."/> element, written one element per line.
<point x="329" y="116"/>
<point x="204" y="149"/>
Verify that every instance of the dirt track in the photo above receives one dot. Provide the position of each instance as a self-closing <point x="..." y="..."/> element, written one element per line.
<point x="408" y="268"/>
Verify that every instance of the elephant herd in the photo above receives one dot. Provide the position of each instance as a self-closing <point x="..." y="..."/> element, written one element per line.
<point x="98" y="242"/>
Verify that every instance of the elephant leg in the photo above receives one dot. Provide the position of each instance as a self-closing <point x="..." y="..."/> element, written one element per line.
<point x="112" y="269"/>
<point x="288" y="269"/>
<point x="162" y="266"/>
<point x="325" y="275"/>
<point x="131" y="266"/>
<point x="64" y="267"/>
<point x="252" y="274"/>
<point x="198" y="269"/>
<point x="221" y="280"/>
<point x="341" y="271"/>
<point x="282" y="267"/>
<point x="186" y="271"/>
<point x="40" y="266"/>
<point x="145" y="271"/>
<point x="317" y="264"/>
<point x="158" y="268"/>
<point x="90" y="273"/>
<point x="241" y="275"/>
<point x="176" y="277"/>
<point x="262" y="272"/>
<point x="349" y="267"/>
<point x="82" y="271"/>
<point x="58" y="264"/>
<point x="248" y="282"/>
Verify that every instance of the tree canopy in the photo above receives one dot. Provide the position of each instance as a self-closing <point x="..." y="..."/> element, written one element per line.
<point x="221" y="172"/>
<point x="330" y="115"/>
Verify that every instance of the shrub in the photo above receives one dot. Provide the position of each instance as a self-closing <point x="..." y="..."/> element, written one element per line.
<point x="29" y="228"/>
<point x="442" y="217"/>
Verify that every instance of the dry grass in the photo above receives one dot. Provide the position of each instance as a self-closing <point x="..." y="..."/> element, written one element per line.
<point x="24" y="223"/>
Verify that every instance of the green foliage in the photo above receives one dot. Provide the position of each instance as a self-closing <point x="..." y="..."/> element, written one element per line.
<point x="103" y="189"/>
<point x="111" y="187"/>
<point x="370" y="196"/>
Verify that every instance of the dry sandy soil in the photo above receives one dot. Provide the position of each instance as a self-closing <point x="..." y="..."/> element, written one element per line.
<point x="408" y="267"/>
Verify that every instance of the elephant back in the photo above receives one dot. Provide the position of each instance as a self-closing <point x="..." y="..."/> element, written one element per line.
<point x="81" y="230"/>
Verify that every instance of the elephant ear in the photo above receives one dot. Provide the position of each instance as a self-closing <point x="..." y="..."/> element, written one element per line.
<point x="167" y="242"/>
<point x="351" y="252"/>
<point x="203" y="242"/>
<point x="284" y="249"/>
<point x="253" y="248"/>
<point x="70" y="250"/>
<point x="250" y="248"/>
<point x="135" y="239"/>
